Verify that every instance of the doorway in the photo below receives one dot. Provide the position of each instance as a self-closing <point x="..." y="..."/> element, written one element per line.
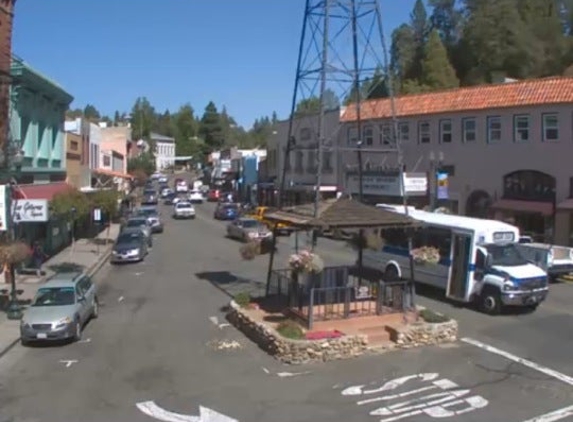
<point x="458" y="283"/>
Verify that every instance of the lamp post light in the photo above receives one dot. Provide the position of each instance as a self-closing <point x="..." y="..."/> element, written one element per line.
<point x="14" y="311"/>
<point x="436" y="162"/>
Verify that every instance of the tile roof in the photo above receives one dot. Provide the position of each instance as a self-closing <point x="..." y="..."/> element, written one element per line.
<point x="40" y="190"/>
<point x="554" y="90"/>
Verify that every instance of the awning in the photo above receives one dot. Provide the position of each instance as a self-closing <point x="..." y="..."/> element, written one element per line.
<point x="566" y="205"/>
<point x="40" y="191"/>
<point x="532" y="207"/>
<point x="112" y="173"/>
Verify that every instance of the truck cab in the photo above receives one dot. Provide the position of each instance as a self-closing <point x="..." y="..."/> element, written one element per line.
<point x="556" y="260"/>
<point x="259" y="214"/>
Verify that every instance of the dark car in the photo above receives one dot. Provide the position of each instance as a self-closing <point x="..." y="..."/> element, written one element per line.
<point x="168" y="200"/>
<point x="153" y="216"/>
<point x="226" y="211"/>
<point x="150" y="197"/>
<point x="130" y="246"/>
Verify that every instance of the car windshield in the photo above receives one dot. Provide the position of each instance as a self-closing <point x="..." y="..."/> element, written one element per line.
<point x="136" y="222"/>
<point x="230" y="207"/>
<point x="505" y="255"/>
<point x="149" y="192"/>
<point x="250" y="224"/>
<point x="148" y="212"/>
<point x="183" y="205"/>
<point x="128" y="238"/>
<point x="54" y="296"/>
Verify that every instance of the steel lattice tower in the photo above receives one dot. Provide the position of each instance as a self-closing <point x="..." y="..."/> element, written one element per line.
<point x="342" y="47"/>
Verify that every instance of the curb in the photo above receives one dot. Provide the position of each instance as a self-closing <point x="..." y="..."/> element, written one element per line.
<point x="91" y="272"/>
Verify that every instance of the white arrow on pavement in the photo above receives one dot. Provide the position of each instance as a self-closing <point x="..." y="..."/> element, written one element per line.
<point x="205" y="414"/>
<point x="68" y="363"/>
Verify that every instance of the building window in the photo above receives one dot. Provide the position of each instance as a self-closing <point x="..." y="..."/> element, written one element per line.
<point x="311" y="162"/>
<point x="529" y="185"/>
<point x="386" y="134"/>
<point x="299" y="159"/>
<point x="352" y="135"/>
<point x="106" y="161"/>
<point x="446" y="131"/>
<point x="424" y="135"/>
<point x="469" y="128"/>
<point x="305" y="134"/>
<point x="550" y="127"/>
<point x="74" y="145"/>
<point x="368" y="135"/>
<point x="404" y="131"/>
<point x="327" y="161"/>
<point x="493" y="129"/>
<point x="521" y="126"/>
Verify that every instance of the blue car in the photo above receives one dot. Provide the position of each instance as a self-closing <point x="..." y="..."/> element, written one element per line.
<point x="226" y="211"/>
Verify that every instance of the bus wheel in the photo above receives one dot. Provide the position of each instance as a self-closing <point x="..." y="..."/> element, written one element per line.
<point x="391" y="273"/>
<point x="490" y="301"/>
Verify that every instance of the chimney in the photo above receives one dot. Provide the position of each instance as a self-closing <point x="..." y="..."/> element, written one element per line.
<point x="6" y="20"/>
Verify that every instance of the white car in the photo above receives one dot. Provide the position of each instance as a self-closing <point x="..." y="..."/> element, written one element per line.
<point x="184" y="209"/>
<point x="181" y="186"/>
<point x="196" y="197"/>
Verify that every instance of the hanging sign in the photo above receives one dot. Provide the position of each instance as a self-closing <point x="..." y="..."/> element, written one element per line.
<point x="443" y="184"/>
<point x="30" y="210"/>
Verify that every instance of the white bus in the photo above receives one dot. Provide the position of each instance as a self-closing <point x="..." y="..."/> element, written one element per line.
<point x="478" y="260"/>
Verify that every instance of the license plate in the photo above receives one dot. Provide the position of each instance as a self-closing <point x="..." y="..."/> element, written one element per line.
<point x="41" y="335"/>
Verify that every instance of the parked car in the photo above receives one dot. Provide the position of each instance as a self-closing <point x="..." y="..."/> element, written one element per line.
<point x="153" y="216"/>
<point x="184" y="209"/>
<point x="168" y="200"/>
<point x="163" y="179"/>
<point x="213" y="195"/>
<point x="246" y="229"/>
<point x="196" y="197"/>
<point x="143" y="224"/>
<point x="181" y="186"/>
<point x="130" y="246"/>
<point x="60" y="309"/>
<point x="150" y="197"/>
<point x="226" y="211"/>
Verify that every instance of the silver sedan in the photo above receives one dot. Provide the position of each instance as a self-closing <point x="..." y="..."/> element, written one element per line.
<point x="247" y="229"/>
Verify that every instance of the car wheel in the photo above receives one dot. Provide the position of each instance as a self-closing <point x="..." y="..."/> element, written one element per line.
<point x="24" y="342"/>
<point x="95" y="309"/>
<point x="490" y="301"/>
<point x="78" y="331"/>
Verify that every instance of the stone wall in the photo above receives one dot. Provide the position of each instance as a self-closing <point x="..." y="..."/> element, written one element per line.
<point x="423" y="334"/>
<point x="296" y="351"/>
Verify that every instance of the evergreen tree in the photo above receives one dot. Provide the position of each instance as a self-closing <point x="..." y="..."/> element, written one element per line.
<point x="210" y="127"/>
<point x="143" y="118"/>
<point x="437" y="71"/>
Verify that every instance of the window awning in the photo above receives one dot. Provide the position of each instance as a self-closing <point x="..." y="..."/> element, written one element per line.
<point x="40" y="191"/>
<point x="112" y="173"/>
<point x="532" y="207"/>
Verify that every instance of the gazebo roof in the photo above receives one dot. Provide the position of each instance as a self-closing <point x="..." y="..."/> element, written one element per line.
<point x="340" y="213"/>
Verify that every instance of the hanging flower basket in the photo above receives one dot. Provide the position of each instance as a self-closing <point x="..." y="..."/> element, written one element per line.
<point x="426" y="255"/>
<point x="306" y="262"/>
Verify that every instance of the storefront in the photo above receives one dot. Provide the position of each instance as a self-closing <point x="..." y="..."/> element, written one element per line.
<point x="385" y="187"/>
<point x="528" y="202"/>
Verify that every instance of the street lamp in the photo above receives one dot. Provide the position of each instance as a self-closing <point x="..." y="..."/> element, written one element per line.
<point x="14" y="311"/>
<point x="73" y="211"/>
<point x="436" y="162"/>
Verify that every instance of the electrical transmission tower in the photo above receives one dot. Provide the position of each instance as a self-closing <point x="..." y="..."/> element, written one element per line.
<point x="342" y="60"/>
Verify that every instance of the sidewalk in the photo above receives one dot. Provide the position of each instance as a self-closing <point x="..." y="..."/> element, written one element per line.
<point x="87" y="255"/>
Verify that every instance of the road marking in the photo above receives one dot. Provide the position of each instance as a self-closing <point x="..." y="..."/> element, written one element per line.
<point x="68" y="362"/>
<point x="138" y="274"/>
<point x="556" y="415"/>
<point x="87" y="340"/>
<point x="205" y="414"/>
<point x="215" y="321"/>
<point x="120" y="299"/>
<point x="285" y="374"/>
<point x="532" y="365"/>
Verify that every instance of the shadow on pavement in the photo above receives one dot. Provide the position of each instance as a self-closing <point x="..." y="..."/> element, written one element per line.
<point x="232" y="285"/>
<point x="66" y="267"/>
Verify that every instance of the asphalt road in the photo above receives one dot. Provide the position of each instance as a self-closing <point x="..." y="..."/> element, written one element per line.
<point x="157" y="340"/>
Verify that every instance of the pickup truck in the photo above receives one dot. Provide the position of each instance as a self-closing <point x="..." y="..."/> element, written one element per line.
<point x="555" y="260"/>
<point x="259" y="214"/>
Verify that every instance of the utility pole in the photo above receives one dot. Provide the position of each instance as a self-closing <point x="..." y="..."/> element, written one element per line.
<point x="6" y="24"/>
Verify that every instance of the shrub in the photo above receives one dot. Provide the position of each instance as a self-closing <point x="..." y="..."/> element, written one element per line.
<point x="368" y="240"/>
<point x="290" y="329"/>
<point x="14" y="253"/>
<point x="433" y="317"/>
<point x="242" y="299"/>
<point x="250" y="250"/>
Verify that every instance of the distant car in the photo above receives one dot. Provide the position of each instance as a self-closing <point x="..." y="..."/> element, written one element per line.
<point x="181" y="186"/>
<point x="163" y="180"/>
<point x="184" y="209"/>
<point x="247" y="229"/>
<point x="156" y="176"/>
<point x="130" y="246"/>
<point x="213" y="195"/>
<point x="165" y="192"/>
<point x="168" y="200"/>
<point x="226" y="212"/>
<point x="141" y="223"/>
<point x="150" y="197"/>
<point x="196" y="197"/>
<point x="153" y="216"/>
<point x="60" y="309"/>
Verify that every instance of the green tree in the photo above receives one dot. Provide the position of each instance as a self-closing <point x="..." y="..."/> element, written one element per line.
<point x="116" y="118"/>
<point x="91" y="113"/>
<point x="185" y="131"/>
<point x="63" y="203"/>
<point x="143" y="118"/>
<point x="107" y="200"/>
<point x="74" y="113"/>
<point x="210" y="127"/>
<point x="437" y="71"/>
<point x="164" y="124"/>
<point x="144" y="162"/>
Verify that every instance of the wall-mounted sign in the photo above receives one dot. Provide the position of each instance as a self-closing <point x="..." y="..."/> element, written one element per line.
<point x="30" y="210"/>
<point x="3" y="209"/>
<point x="388" y="184"/>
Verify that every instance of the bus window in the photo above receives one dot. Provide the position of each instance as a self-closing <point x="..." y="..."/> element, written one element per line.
<point x="396" y="238"/>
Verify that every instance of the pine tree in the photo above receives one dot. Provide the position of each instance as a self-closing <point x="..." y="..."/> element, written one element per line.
<point x="210" y="127"/>
<point x="437" y="71"/>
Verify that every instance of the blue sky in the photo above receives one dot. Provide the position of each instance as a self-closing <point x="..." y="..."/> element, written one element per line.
<point x="237" y="53"/>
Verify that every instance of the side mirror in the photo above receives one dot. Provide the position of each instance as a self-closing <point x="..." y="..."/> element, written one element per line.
<point x="488" y="261"/>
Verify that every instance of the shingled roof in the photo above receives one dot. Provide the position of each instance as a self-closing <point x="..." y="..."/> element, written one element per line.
<point x="340" y="213"/>
<point x="532" y="92"/>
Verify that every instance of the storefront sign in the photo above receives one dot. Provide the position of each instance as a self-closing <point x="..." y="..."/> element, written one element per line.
<point x="415" y="184"/>
<point x="30" y="210"/>
<point x="3" y="209"/>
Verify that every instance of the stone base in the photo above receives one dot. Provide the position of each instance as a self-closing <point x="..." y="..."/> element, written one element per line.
<point x="348" y="346"/>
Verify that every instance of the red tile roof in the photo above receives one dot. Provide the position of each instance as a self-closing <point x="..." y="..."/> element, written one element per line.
<point x="554" y="90"/>
<point x="40" y="191"/>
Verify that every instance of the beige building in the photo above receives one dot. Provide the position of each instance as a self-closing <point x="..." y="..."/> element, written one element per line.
<point x="74" y="163"/>
<point x="506" y="149"/>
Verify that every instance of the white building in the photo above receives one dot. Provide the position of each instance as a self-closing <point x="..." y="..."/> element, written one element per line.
<point x="164" y="150"/>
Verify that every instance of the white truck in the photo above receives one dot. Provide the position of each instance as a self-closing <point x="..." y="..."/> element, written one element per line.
<point x="555" y="260"/>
